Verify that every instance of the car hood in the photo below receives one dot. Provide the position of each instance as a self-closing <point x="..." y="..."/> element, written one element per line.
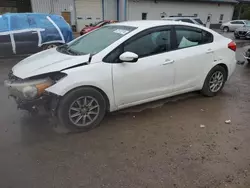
<point x="243" y="29"/>
<point x="46" y="62"/>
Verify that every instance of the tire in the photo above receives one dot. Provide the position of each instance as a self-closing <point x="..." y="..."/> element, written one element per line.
<point x="226" y="29"/>
<point x="69" y="107"/>
<point x="208" y="88"/>
<point x="50" y="46"/>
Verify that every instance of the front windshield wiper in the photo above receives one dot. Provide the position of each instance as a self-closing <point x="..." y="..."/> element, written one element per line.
<point x="65" y="48"/>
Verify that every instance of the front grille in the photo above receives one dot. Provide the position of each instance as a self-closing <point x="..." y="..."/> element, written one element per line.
<point x="242" y="32"/>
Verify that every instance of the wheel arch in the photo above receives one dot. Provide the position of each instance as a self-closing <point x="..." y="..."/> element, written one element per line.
<point x="225" y="67"/>
<point x="107" y="100"/>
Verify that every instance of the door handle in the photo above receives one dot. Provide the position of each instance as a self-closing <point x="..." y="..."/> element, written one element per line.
<point x="168" y="61"/>
<point x="34" y="32"/>
<point x="209" y="51"/>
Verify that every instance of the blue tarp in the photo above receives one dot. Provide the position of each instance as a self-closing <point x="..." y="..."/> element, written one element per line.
<point x="35" y="21"/>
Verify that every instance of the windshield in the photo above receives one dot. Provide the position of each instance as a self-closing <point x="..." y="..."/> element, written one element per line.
<point x="198" y="20"/>
<point x="96" y="41"/>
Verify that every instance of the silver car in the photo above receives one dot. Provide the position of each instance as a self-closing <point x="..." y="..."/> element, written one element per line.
<point x="243" y="32"/>
<point x="193" y="20"/>
<point x="233" y="25"/>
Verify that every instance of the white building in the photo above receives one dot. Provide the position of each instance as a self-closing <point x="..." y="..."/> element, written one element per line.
<point x="66" y="8"/>
<point x="218" y="10"/>
<point x="83" y="12"/>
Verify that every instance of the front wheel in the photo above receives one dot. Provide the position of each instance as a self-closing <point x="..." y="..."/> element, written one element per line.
<point x="82" y="109"/>
<point x="214" y="81"/>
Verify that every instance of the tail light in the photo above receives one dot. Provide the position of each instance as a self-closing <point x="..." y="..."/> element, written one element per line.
<point x="232" y="46"/>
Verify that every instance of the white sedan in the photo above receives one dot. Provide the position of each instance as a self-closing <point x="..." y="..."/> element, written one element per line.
<point x="122" y="65"/>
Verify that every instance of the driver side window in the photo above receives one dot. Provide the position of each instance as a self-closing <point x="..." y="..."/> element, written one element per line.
<point x="150" y="44"/>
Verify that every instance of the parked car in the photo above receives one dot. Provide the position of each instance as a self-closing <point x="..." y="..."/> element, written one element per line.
<point x="194" y="20"/>
<point x="95" y="26"/>
<point x="246" y="53"/>
<point x="27" y="33"/>
<point x="233" y="25"/>
<point x="136" y="62"/>
<point x="243" y="32"/>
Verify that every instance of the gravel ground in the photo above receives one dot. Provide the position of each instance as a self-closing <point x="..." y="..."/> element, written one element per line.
<point x="181" y="142"/>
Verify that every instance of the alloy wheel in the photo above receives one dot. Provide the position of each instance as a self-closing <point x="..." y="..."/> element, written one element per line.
<point x="216" y="81"/>
<point x="84" y="111"/>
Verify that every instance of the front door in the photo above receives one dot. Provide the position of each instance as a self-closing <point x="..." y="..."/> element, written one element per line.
<point x="149" y="78"/>
<point x="5" y="45"/>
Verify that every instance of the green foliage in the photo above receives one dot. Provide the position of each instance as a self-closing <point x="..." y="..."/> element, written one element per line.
<point x="242" y="11"/>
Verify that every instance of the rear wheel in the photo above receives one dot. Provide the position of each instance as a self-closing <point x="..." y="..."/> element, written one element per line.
<point x="226" y="29"/>
<point x="214" y="81"/>
<point x="82" y="109"/>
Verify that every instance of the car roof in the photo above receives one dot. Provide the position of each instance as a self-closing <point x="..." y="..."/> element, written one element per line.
<point x="144" y="24"/>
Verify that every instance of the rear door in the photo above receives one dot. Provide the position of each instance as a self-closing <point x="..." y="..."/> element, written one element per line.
<point x="26" y="39"/>
<point x="5" y="40"/>
<point x="192" y="58"/>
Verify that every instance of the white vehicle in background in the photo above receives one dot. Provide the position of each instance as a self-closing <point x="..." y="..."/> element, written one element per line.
<point x="187" y="19"/>
<point x="233" y="25"/>
<point x="136" y="62"/>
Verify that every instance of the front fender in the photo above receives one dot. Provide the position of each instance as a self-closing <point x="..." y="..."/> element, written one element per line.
<point x="96" y="75"/>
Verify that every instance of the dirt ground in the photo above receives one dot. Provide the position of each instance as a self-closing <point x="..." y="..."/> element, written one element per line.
<point x="182" y="142"/>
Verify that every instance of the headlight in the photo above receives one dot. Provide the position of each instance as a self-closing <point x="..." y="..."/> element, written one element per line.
<point x="32" y="87"/>
<point x="28" y="89"/>
<point x="30" y="92"/>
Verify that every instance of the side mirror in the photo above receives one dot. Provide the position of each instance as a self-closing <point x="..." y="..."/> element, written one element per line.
<point x="128" y="57"/>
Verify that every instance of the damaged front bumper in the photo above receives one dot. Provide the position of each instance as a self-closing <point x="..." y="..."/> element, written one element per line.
<point x="30" y="95"/>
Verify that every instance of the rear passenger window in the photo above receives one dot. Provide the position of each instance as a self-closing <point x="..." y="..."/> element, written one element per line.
<point x="43" y="22"/>
<point x="207" y="37"/>
<point x="188" y="37"/>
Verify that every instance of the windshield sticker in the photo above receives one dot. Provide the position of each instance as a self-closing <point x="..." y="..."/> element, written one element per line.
<point x="121" y="31"/>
